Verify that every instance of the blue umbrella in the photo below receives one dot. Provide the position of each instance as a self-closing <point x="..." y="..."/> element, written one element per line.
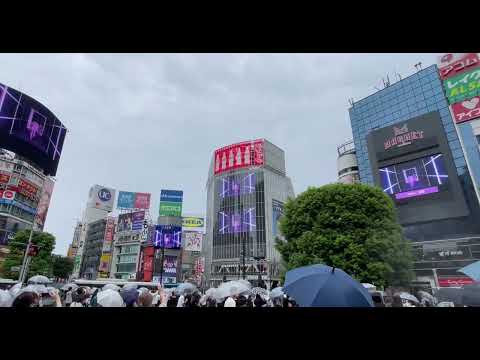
<point x="320" y="285"/>
<point x="472" y="270"/>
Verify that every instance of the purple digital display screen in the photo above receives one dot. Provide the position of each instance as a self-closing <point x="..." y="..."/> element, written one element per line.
<point x="29" y="129"/>
<point x="419" y="177"/>
<point x="167" y="236"/>
<point x="235" y="186"/>
<point x="236" y="222"/>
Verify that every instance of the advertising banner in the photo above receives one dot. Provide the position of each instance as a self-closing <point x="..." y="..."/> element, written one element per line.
<point x="108" y="238"/>
<point x="125" y="200"/>
<point x="170" y="266"/>
<point x="455" y="64"/>
<point x="193" y="223"/>
<point x="124" y="222"/>
<point x="171" y="196"/>
<point x="27" y="189"/>
<point x="105" y="263"/>
<point x="193" y="240"/>
<point x="170" y="209"/>
<point x="244" y="154"/>
<point x="464" y="86"/>
<point x="101" y="197"/>
<point x="466" y="110"/>
<point x="277" y="211"/>
<point x="137" y="220"/>
<point x="4" y="178"/>
<point x="200" y="265"/>
<point x="454" y="282"/>
<point x="167" y="236"/>
<point x="44" y="202"/>
<point x="142" y="201"/>
<point x="29" y="129"/>
<point x="7" y="194"/>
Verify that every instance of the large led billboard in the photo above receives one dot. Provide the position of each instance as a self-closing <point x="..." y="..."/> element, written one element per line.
<point x="31" y="130"/>
<point x="234" y="186"/>
<point x="236" y="222"/>
<point x="419" y="177"/>
<point x="240" y="155"/>
<point x="133" y="200"/>
<point x="167" y="236"/>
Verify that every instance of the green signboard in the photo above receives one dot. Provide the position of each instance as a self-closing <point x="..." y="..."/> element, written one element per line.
<point x="168" y="208"/>
<point x="464" y="86"/>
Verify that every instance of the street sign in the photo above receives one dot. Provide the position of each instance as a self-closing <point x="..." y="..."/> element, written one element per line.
<point x="15" y="269"/>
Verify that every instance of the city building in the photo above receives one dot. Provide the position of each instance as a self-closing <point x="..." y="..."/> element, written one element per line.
<point x="247" y="187"/>
<point x="73" y="247"/>
<point x="406" y="142"/>
<point x="31" y="142"/>
<point x="126" y="251"/>
<point x="347" y="164"/>
<point x="92" y="249"/>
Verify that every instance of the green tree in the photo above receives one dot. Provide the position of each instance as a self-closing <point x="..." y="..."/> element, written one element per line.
<point x="62" y="266"/>
<point x="40" y="264"/>
<point x="352" y="227"/>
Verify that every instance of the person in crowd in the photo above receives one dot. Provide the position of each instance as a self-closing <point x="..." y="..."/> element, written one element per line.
<point x="211" y="302"/>
<point x="130" y="297"/>
<point x="397" y="301"/>
<point x="181" y="301"/>
<point x="145" y="299"/>
<point x="155" y="297"/>
<point x="80" y="297"/>
<point x="173" y="300"/>
<point x="203" y="301"/>
<point x="27" y="299"/>
<point x="259" y="302"/>
<point x="231" y="300"/>
<point x="163" y="298"/>
<point x="196" y="297"/>
<point x="68" y="298"/>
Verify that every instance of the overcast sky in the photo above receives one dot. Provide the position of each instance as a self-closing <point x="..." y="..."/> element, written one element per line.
<point x="143" y="122"/>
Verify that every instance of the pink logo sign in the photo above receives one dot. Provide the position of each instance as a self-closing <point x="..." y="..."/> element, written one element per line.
<point x="457" y="65"/>
<point x="466" y="110"/>
<point x="245" y="154"/>
<point x="402" y="137"/>
<point x="456" y="281"/>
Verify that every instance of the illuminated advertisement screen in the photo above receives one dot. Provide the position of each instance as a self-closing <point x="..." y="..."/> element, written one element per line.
<point x="231" y="222"/>
<point x="167" y="236"/>
<point x="31" y="130"/>
<point x="235" y="186"/>
<point x="419" y="177"/>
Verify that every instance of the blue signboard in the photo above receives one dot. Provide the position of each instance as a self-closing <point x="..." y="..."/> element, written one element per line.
<point x="125" y="200"/>
<point x="171" y="195"/>
<point x="20" y="205"/>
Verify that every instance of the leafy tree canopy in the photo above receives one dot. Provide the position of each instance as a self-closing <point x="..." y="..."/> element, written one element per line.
<point x="62" y="266"/>
<point x="352" y="227"/>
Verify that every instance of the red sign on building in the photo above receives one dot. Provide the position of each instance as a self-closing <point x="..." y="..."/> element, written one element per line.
<point x="456" y="64"/>
<point x="454" y="281"/>
<point x="26" y="188"/>
<point x="244" y="154"/>
<point x="4" y="178"/>
<point x="466" y="110"/>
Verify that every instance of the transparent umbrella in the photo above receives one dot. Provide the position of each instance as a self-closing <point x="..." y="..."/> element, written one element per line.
<point x="15" y="289"/>
<point x="109" y="298"/>
<point x="111" y="287"/>
<point x="129" y="286"/>
<point x="407" y="296"/>
<point x="259" y="291"/>
<point x="276" y="293"/>
<point x="211" y="292"/>
<point x="6" y="298"/>
<point x="70" y="286"/>
<point x="39" y="279"/>
<point x="231" y="288"/>
<point x="185" y="288"/>
<point x="245" y="282"/>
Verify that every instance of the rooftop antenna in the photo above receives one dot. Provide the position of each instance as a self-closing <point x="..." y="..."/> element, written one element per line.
<point x="351" y="102"/>
<point x="399" y="76"/>
<point x="420" y="65"/>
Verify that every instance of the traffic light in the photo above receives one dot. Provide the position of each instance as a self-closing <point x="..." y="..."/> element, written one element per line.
<point x="33" y="250"/>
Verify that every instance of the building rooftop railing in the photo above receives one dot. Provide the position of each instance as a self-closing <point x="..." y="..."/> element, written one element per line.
<point x="346" y="148"/>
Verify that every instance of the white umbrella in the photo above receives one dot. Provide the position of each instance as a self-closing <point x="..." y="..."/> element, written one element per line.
<point x="245" y="282"/>
<point x="109" y="298"/>
<point x="427" y="296"/>
<point x="39" y="279"/>
<point x="129" y="286"/>
<point x="71" y="286"/>
<point x="6" y="298"/>
<point x="407" y="296"/>
<point x="111" y="287"/>
<point x="259" y="291"/>
<point x="211" y="292"/>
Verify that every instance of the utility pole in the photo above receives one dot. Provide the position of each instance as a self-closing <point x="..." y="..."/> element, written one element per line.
<point x="23" y="270"/>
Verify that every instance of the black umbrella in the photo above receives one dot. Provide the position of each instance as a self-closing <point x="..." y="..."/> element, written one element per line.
<point x="471" y="294"/>
<point x="454" y="295"/>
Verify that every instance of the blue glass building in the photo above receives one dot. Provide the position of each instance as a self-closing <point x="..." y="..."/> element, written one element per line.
<point x="441" y="247"/>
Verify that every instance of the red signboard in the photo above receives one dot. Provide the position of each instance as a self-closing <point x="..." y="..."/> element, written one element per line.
<point x="26" y="188"/>
<point x="456" y="64"/>
<point x="4" y="178"/>
<point x="244" y="154"/>
<point x="142" y="201"/>
<point x="454" y="282"/>
<point x="466" y="110"/>
<point x="7" y="194"/>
